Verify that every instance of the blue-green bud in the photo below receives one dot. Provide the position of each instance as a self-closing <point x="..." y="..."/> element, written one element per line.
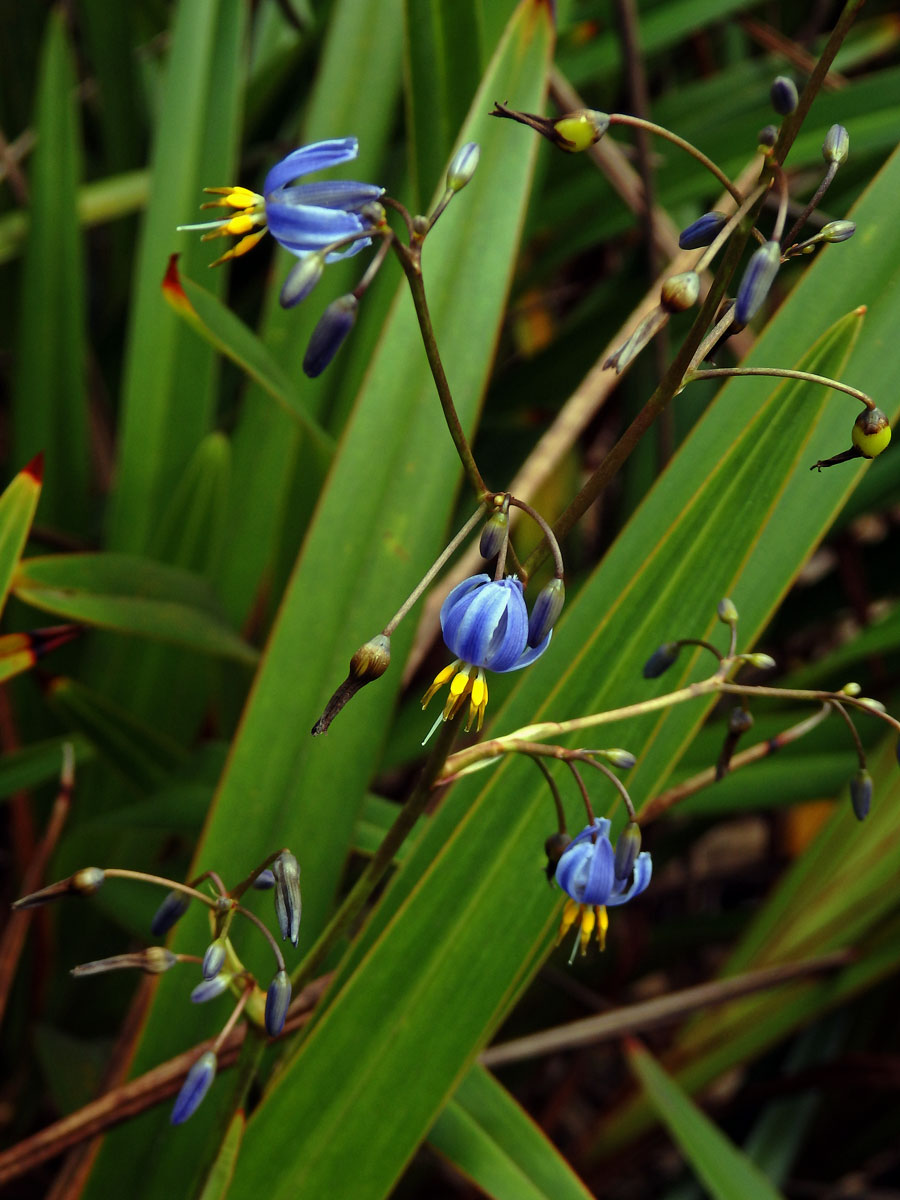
<point x="619" y="758"/>
<point x="764" y="662"/>
<point x="174" y="906"/>
<point x="726" y="611"/>
<point x="196" y="1084"/>
<point x="703" y="231"/>
<point x="463" y="166"/>
<point x="627" y="848"/>
<point x="861" y="794"/>
<point x="278" y="998"/>
<point x="837" y="231"/>
<point x="756" y="282"/>
<point x="301" y="279"/>
<point x="660" y="660"/>
<point x="334" y="324"/>
<point x="495" y="531"/>
<point x="836" y="146"/>
<point x="214" y="959"/>
<point x="546" y="610"/>
<point x="286" y="870"/>
<point x="784" y="96"/>
<point x="209" y="989"/>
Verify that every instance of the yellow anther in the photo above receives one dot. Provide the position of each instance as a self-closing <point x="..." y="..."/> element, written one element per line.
<point x="242" y="247"/>
<point x="569" y="916"/>
<point x="459" y="683"/>
<point x="602" y="925"/>
<point x="588" y="921"/>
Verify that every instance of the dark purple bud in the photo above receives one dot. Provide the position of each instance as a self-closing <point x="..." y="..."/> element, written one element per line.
<point x="286" y="870"/>
<point x="758" y="279"/>
<point x="334" y="324"/>
<point x="173" y="907"/>
<point x="739" y="721"/>
<point x="196" y="1084"/>
<point x="214" y="959"/>
<point x="784" y="95"/>
<point x="627" y="849"/>
<point x="495" y="531"/>
<point x="703" y="231"/>
<point x="546" y="610"/>
<point x="861" y="794"/>
<point x="264" y="880"/>
<point x="836" y="146"/>
<point x="554" y="848"/>
<point x="768" y="135"/>
<point x="278" y="998"/>
<point x="660" y="660"/>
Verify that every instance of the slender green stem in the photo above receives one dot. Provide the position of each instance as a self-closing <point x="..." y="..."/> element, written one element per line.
<point x="170" y="884"/>
<point x="682" y="143"/>
<point x="781" y="180"/>
<point x="782" y="373"/>
<point x="547" y="532"/>
<point x="266" y="932"/>
<point x="410" y="260"/>
<point x="812" y="205"/>
<point x="433" y="571"/>
<point x="381" y="861"/>
<point x="586" y="800"/>
<point x="857" y="742"/>
<point x="613" y="779"/>
<point x="554" y="790"/>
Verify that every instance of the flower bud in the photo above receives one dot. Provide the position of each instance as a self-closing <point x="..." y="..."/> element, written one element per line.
<point x="627" y="848"/>
<point x="214" y="959"/>
<point x="174" y="906"/>
<point x="660" y="660"/>
<point x="871" y="432"/>
<point x="756" y="282"/>
<point x="152" y="961"/>
<point x="196" y="1084"/>
<point x="619" y="758"/>
<point x="369" y="662"/>
<point x="334" y="324"/>
<point x="680" y="292"/>
<point x="703" y="231"/>
<point x="783" y="95"/>
<point x="264" y="880"/>
<point x="83" y="883"/>
<point x="209" y="989"/>
<point x="764" y="662"/>
<point x="301" y="279"/>
<point x="495" y="531"/>
<point x="739" y="721"/>
<point x="463" y="166"/>
<point x="836" y="146"/>
<point x="86" y="881"/>
<point x="546" y="610"/>
<point x="872" y="705"/>
<point x="767" y="136"/>
<point x="286" y="870"/>
<point x="580" y="130"/>
<point x="851" y="689"/>
<point x="837" y="231"/>
<point x="861" y="794"/>
<point x="726" y="611"/>
<point x="278" y="998"/>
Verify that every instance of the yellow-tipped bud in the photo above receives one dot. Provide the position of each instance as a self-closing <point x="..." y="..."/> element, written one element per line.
<point x="579" y="130"/>
<point x="680" y="292"/>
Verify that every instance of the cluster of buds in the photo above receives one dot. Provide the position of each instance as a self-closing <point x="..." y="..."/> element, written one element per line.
<point x="220" y="967"/>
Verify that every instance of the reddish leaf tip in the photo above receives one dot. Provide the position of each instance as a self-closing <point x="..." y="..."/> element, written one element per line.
<point x="35" y="468"/>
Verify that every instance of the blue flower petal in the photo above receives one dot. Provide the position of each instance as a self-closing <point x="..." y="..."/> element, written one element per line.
<point x="643" y="869"/>
<point x="303" y="229"/>
<point x="473" y="622"/>
<point x="307" y="159"/>
<point x="600" y="877"/>
<point x="461" y="589"/>
<point x="601" y="827"/>
<point x="511" y="635"/>
<point x="336" y="193"/>
<point x="528" y="656"/>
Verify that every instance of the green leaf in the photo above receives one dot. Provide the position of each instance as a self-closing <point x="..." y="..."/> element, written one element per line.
<point x="219" y="1178"/>
<point x="131" y="595"/>
<point x="48" y="416"/>
<point x="491" y="1140"/>
<point x="17" y="508"/>
<point x="724" y="1170"/>
<point x="228" y="334"/>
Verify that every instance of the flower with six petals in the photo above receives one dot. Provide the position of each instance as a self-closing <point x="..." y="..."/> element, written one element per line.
<point x="485" y="624"/>
<point x="305" y="217"/>
<point x="586" y="872"/>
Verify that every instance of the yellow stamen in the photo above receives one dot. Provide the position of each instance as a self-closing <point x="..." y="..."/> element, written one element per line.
<point x="588" y="921"/>
<point x="478" y="701"/>
<point x="602" y="925"/>
<point x="235" y="197"/>
<point x="439" y="680"/>
<point x="569" y="916"/>
<point x="242" y="247"/>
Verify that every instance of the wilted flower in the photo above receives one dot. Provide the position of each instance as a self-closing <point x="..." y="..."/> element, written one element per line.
<point x="485" y="624"/>
<point x="587" y="873"/>
<point x="303" y="218"/>
<point x="196" y="1084"/>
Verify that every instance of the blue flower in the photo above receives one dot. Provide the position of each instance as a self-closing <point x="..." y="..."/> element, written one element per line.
<point x="305" y="217"/>
<point x="586" y="872"/>
<point x="196" y="1084"/>
<point x="485" y="624"/>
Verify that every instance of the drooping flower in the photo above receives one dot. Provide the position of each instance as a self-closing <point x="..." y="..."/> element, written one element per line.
<point x="594" y="877"/>
<point x="305" y="217"/>
<point x="485" y="624"/>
